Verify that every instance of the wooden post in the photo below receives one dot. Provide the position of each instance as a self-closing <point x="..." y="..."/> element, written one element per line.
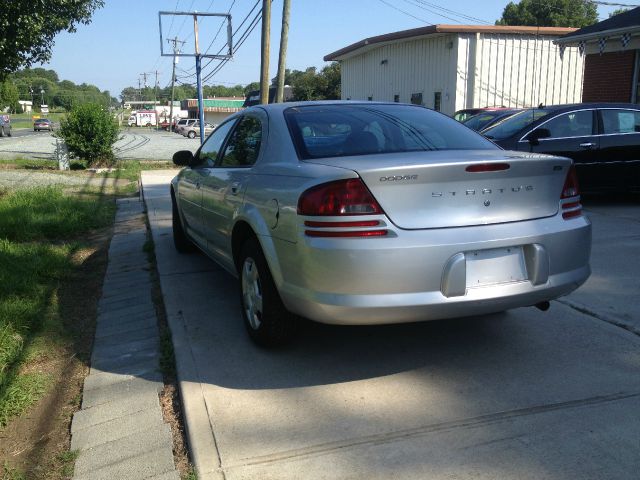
<point x="282" y="58"/>
<point x="264" y="56"/>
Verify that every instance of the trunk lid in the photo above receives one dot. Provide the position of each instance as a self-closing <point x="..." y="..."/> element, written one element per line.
<point x="420" y="190"/>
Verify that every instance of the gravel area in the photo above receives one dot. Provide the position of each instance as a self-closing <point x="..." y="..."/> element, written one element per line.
<point x="136" y="143"/>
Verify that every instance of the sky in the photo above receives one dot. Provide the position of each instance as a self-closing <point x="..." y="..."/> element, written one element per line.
<point x="123" y="40"/>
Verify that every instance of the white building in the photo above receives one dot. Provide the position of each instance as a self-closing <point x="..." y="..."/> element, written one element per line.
<point x="451" y="67"/>
<point x="26" y="105"/>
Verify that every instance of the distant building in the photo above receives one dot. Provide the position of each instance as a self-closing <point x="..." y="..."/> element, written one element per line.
<point x="612" y="50"/>
<point x="215" y="109"/>
<point x="26" y="105"/>
<point x="451" y="67"/>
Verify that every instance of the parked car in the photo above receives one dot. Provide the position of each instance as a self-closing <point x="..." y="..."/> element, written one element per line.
<point x="193" y="131"/>
<point x="603" y="140"/>
<point x="5" y="125"/>
<point x="486" y="119"/>
<point x="467" y="113"/>
<point x="42" y="124"/>
<point x="375" y="213"/>
<point x="184" y="123"/>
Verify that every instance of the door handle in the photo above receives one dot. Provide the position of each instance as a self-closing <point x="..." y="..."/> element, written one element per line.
<point x="235" y="188"/>
<point x="587" y="145"/>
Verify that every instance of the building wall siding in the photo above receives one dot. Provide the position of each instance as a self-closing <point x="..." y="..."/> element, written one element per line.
<point x="418" y="66"/>
<point x="470" y="70"/>
<point x="519" y="71"/>
<point x="609" y="77"/>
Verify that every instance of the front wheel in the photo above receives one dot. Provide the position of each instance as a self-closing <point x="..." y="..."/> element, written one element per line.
<point x="180" y="239"/>
<point x="265" y="317"/>
<point x="191" y="134"/>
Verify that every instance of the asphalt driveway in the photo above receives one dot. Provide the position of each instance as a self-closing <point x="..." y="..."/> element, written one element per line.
<point x="523" y="395"/>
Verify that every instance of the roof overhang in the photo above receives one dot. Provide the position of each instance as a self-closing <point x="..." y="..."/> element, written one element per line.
<point x="595" y="36"/>
<point x="380" y="40"/>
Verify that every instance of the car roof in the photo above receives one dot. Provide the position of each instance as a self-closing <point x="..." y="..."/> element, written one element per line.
<point x="274" y="107"/>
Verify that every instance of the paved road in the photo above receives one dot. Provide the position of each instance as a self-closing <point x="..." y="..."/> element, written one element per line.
<point x="134" y="143"/>
<point x="522" y="395"/>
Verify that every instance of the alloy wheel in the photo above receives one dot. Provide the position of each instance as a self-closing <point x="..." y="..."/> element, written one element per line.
<point x="252" y="293"/>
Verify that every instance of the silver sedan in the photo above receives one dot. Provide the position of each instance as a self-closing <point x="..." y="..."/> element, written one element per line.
<point x="369" y="213"/>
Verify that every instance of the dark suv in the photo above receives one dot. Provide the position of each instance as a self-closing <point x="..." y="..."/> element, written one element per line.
<point x="603" y="140"/>
<point x="5" y="126"/>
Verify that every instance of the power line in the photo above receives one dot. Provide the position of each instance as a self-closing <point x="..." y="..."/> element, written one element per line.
<point x="406" y="13"/>
<point x="237" y="45"/>
<point x="453" y="12"/>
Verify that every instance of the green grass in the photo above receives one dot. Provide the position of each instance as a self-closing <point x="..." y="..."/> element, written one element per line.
<point x="68" y="460"/>
<point x="36" y="253"/>
<point x="23" y="392"/>
<point x="9" y="473"/>
<point x="48" y="213"/>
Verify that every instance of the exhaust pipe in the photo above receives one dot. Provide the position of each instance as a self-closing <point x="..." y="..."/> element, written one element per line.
<point x="544" y="306"/>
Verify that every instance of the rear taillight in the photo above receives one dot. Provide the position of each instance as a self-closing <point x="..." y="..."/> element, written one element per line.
<point x="342" y="197"/>
<point x="337" y="199"/>
<point x="571" y="191"/>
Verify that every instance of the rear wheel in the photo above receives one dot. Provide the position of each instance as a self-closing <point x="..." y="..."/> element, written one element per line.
<point x="1" y="131"/>
<point x="180" y="239"/>
<point x="9" y="132"/>
<point x="267" y="320"/>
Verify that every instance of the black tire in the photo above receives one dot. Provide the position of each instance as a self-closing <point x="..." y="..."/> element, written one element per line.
<point x="1" y="131"/>
<point x="269" y="324"/>
<point x="191" y="134"/>
<point x="9" y="132"/>
<point x="180" y="239"/>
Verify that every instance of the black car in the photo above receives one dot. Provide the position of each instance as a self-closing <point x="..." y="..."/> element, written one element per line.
<point x="603" y="139"/>
<point x="489" y="118"/>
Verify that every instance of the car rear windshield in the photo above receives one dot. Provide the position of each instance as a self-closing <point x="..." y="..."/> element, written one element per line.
<point x="514" y="124"/>
<point x="321" y="131"/>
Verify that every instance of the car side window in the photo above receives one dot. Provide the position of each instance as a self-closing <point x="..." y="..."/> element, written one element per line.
<point x="620" y="121"/>
<point x="572" y="124"/>
<point x="244" y="144"/>
<point x="212" y="146"/>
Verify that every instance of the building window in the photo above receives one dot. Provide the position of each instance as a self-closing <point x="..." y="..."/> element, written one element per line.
<point x="437" y="101"/>
<point x="370" y="98"/>
<point x="396" y="98"/>
<point x="416" y="98"/>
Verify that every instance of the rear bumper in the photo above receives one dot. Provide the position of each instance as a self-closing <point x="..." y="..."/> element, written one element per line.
<point x="409" y="276"/>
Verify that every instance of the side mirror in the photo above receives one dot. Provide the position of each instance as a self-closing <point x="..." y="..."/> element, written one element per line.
<point x="534" y="137"/>
<point x="183" y="158"/>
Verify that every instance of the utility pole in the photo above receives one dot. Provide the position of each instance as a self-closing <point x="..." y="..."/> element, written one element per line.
<point x="175" y="42"/>
<point x="264" y="54"/>
<point x="199" y="78"/>
<point x="139" y="91"/>
<point x="155" y="100"/>
<point x="282" y="58"/>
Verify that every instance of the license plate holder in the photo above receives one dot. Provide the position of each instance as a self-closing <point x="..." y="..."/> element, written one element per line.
<point x="495" y="266"/>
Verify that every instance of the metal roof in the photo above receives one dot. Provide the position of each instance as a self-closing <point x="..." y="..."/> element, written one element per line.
<point x="618" y="24"/>
<point x="439" y="29"/>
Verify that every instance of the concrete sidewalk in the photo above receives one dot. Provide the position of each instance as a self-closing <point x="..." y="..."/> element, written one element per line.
<point x="519" y="395"/>
<point x="120" y="431"/>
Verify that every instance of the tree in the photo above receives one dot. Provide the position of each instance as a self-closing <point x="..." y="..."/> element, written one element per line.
<point x="618" y="11"/>
<point x="90" y="131"/>
<point x="550" y="13"/>
<point x="27" y="28"/>
<point x="9" y="96"/>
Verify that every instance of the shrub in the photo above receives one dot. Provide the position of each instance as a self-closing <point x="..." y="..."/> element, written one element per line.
<point x="90" y="131"/>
